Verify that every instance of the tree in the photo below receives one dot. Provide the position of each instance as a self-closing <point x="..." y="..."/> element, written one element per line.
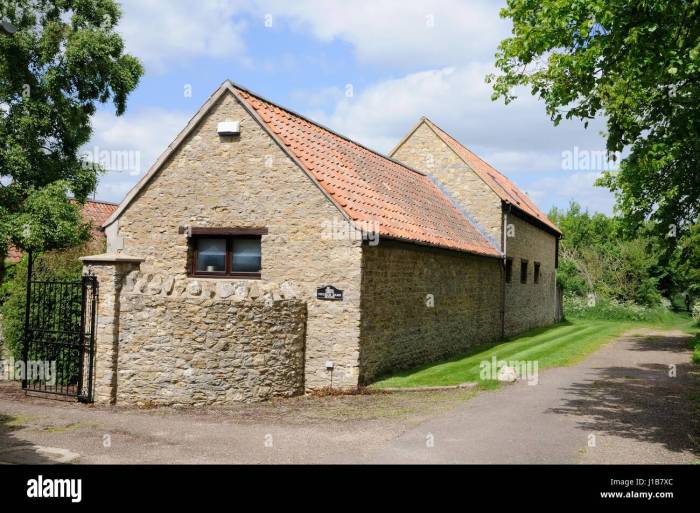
<point x="635" y="62"/>
<point x="600" y="257"/>
<point x="64" y="58"/>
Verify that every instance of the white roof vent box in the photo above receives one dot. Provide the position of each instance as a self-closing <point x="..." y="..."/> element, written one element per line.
<point x="229" y="128"/>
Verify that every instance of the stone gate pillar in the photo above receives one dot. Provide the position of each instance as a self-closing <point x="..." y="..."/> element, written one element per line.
<point x="110" y="270"/>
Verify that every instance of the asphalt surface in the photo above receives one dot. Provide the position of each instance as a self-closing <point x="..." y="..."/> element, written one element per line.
<point x="627" y="403"/>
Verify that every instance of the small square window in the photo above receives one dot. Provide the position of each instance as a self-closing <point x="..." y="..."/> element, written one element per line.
<point x="509" y="270"/>
<point x="523" y="271"/>
<point x="234" y="256"/>
<point x="537" y="272"/>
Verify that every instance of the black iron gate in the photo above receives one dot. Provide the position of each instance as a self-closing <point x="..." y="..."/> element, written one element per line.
<point x="59" y="336"/>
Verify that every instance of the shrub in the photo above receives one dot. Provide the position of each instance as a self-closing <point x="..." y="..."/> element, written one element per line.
<point x="696" y="312"/>
<point x="578" y="307"/>
<point x="695" y="346"/>
<point x="59" y="265"/>
<point x="6" y="283"/>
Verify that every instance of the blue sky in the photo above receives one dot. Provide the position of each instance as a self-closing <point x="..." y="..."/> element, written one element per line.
<point x="399" y="60"/>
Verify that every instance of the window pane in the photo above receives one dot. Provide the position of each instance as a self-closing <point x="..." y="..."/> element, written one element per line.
<point x="246" y="255"/>
<point x="211" y="255"/>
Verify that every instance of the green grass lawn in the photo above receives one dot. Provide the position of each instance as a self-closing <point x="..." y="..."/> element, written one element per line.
<point x="562" y="344"/>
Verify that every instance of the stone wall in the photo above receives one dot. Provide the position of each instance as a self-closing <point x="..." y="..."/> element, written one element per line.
<point x="110" y="276"/>
<point x="189" y="343"/>
<point x="400" y="329"/>
<point x="425" y="151"/>
<point x="248" y="181"/>
<point x="530" y="305"/>
<point x="527" y="305"/>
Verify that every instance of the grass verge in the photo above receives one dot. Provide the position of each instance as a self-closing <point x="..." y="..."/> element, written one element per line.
<point x="561" y="344"/>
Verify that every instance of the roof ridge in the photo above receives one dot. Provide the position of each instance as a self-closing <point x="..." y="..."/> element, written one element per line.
<point x="102" y="202"/>
<point x="465" y="147"/>
<point x="323" y="127"/>
<point x="520" y="197"/>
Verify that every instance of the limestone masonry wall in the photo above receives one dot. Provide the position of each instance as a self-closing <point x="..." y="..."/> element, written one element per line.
<point x="192" y="344"/>
<point x="530" y="305"/>
<point x="248" y="181"/>
<point x="400" y="329"/>
<point x="426" y="152"/>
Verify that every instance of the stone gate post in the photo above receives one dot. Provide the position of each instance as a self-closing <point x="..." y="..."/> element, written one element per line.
<point x="110" y="270"/>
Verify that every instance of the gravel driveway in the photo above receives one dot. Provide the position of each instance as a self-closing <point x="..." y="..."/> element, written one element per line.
<point x="620" y="405"/>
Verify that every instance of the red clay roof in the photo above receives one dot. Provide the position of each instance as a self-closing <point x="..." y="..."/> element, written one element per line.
<point x="500" y="184"/>
<point x="97" y="212"/>
<point x="370" y="187"/>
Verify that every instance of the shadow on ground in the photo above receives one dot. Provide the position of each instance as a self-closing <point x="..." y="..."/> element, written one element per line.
<point x="15" y="450"/>
<point x="642" y="402"/>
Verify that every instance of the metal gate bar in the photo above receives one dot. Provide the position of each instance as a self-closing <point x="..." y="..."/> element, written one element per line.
<point x="59" y="338"/>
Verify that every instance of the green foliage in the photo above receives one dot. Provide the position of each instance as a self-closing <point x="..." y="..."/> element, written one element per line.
<point x="696" y="313"/>
<point x="58" y="265"/>
<point x="600" y="257"/>
<point x="576" y="307"/>
<point x="686" y="261"/>
<point x="65" y="57"/>
<point x="12" y="310"/>
<point x="695" y="346"/>
<point x="637" y="64"/>
<point x="6" y="281"/>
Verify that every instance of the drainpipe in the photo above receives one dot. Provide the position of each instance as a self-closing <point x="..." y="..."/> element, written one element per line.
<point x="504" y="239"/>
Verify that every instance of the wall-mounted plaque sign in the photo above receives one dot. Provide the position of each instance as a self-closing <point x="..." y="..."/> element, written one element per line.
<point x="329" y="293"/>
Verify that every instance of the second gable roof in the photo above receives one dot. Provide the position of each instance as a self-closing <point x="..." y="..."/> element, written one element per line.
<point x="501" y="185"/>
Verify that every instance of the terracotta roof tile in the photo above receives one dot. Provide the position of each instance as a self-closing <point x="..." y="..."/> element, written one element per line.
<point x="97" y="212"/>
<point x="370" y="187"/>
<point x="500" y="184"/>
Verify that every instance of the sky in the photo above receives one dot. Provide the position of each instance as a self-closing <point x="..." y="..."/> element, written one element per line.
<point x="369" y="69"/>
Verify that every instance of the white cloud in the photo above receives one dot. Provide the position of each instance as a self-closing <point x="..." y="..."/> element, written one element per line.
<point x="398" y="32"/>
<point x="137" y="137"/>
<point x="518" y="139"/>
<point x="579" y="187"/>
<point x="458" y="99"/>
<point x="162" y="33"/>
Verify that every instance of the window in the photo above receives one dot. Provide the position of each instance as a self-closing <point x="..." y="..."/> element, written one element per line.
<point x="537" y="272"/>
<point x="509" y="270"/>
<point x="215" y="255"/>
<point x="523" y="271"/>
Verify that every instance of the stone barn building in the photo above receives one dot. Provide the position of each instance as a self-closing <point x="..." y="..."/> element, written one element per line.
<point x="516" y="226"/>
<point x="264" y="255"/>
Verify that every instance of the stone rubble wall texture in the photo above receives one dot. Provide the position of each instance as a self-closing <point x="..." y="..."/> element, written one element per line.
<point x="110" y="279"/>
<point x="530" y="305"/>
<point x="527" y="305"/>
<point x="248" y="181"/>
<point x="186" y="343"/>
<point x="399" y="330"/>
<point x="424" y="151"/>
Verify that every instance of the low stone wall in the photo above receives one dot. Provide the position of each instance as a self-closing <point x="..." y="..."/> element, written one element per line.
<point x="420" y="305"/>
<point x="206" y="342"/>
